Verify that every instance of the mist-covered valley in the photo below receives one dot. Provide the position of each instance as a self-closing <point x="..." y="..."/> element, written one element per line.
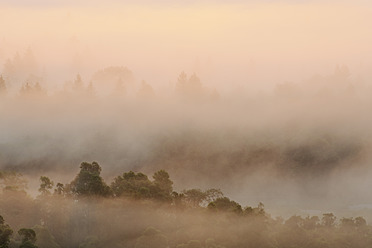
<point x="291" y="147"/>
<point x="170" y="124"/>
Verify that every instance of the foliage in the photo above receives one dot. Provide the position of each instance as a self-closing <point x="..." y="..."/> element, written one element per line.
<point x="194" y="218"/>
<point x="60" y="189"/>
<point x="197" y="197"/>
<point x="225" y="204"/>
<point x="46" y="185"/>
<point x="3" y="89"/>
<point x="163" y="185"/>
<point x="28" y="238"/>
<point x="89" y="182"/>
<point x="133" y="185"/>
<point x="138" y="186"/>
<point x="5" y="233"/>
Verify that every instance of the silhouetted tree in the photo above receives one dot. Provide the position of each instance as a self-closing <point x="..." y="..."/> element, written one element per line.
<point x="114" y="80"/>
<point x="28" y="238"/>
<point x="5" y="233"/>
<point x="191" y="89"/>
<point x="46" y="185"/>
<point x="3" y="89"/>
<point x="132" y="185"/>
<point x="310" y="223"/>
<point x="225" y="204"/>
<point x="163" y="185"/>
<point x="197" y="197"/>
<point x="328" y="220"/>
<point x="213" y="194"/>
<point x="360" y="222"/>
<point x="194" y="197"/>
<point x="29" y="90"/>
<point x="60" y="189"/>
<point x="89" y="182"/>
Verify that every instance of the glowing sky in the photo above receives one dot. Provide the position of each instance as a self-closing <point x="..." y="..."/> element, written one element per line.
<point x="223" y="41"/>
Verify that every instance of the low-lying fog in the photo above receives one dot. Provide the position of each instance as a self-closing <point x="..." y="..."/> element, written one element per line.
<point x="263" y="112"/>
<point x="294" y="148"/>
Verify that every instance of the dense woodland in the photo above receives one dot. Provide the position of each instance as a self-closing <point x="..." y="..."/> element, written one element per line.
<point x="139" y="212"/>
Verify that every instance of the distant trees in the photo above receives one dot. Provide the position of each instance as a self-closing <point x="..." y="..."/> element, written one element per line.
<point x="21" y="67"/>
<point x="146" y="91"/>
<point x="226" y="205"/>
<point x="189" y="88"/>
<point x="196" y="197"/>
<point x="46" y="185"/>
<point x="163" y="185"/>
<point x="78" y="89"/>
<point x="328" y="220"/>
<point x="113" y="80"/>
<point x="32" y="90"/>
<point x="3" y="89"/>
<point x="73" y="221"/>
<point x="5" y="233"/>
<point x="138" y="186"/>
<point x="112" y="74"/>
<point x="28" y="238"/>
<point x="60" y="189"/>
<point x="89" y="182"/>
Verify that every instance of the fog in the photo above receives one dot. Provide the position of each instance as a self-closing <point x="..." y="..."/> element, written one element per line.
<point x="268" y="101"/>
<point x="298" y="147"/>
<point x="250" y="44"/>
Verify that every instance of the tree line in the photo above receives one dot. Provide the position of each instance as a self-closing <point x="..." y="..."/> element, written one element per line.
<point x="139" y="212"/>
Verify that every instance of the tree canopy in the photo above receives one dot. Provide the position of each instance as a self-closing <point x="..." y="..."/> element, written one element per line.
<point x="89" y="182"/>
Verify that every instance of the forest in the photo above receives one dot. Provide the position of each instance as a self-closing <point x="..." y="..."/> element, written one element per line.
<point x="207" y="141"/>
<point x="135" y="211"/>
<point x="185" y="124"/>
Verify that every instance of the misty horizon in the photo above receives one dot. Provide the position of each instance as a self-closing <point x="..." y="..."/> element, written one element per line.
<point x="182" y="118"/>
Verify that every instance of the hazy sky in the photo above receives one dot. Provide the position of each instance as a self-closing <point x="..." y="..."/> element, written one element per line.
<point x="225" y="42"/>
